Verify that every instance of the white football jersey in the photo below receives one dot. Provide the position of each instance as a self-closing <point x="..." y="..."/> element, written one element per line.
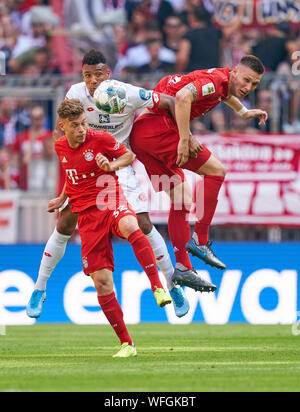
<point x="118" y="125"/>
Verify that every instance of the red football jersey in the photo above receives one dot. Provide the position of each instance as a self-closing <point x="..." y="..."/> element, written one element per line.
<point x="212" y="88"/>
<point x="87" y="184"/>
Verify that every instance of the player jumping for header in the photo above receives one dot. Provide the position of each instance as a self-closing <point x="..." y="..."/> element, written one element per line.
<point x="165" y="145"/>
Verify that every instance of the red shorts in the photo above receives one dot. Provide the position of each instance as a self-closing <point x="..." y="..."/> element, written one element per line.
<point x="154" y="139"/>
<point x="96" y="228"/>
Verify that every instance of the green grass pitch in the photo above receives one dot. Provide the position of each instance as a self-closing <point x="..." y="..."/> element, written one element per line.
<point x="171" y="358"/>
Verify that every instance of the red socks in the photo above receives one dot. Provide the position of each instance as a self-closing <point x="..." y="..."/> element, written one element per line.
<point x="145" y="256"/>
<point x="114" y="315"/>
<point x="212" y="186"/>
<point x="180" y="233"/>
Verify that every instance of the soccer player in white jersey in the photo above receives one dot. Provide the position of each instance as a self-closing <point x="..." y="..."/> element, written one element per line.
<point x="94" y="71"/>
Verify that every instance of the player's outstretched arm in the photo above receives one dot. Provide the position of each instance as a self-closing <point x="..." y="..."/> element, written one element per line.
<point x="235" y="104"/>
<point x="125" y="160"/>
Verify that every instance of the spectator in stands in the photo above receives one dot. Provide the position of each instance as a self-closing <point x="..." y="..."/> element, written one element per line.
<point x="264" y="101"/>
<point x="139" y="55"/>
<point x="5" y="182"/>
<point x="10" y="123"/>
<point x="42" y="21"/>
<point x="32" y="146"/>
<point x="200" y="46"/>
<point x="8" y="34"/>
<point x="273" y="49"/>
<point x="240" y="126"/>
<point x="198" y="127"/>
<point x="155" y="65"/>
<point x="173" y="30"/>
<point x="44" y="62"/>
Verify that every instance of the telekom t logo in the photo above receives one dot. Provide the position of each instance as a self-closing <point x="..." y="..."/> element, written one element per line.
<point x="72" y="174"/>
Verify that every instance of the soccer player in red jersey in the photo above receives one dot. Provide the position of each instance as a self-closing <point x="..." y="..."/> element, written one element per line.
<point x="165" y="145"/>
<point x="95" y="195"/>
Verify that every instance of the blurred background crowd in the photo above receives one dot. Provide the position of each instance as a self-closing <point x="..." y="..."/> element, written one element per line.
<point x="143" y="41"/>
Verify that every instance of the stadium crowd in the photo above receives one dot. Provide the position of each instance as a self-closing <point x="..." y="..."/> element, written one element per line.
<point x="141" y="40"/>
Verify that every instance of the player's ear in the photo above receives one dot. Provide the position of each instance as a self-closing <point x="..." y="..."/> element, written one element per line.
<point x="61" y="124"/>
<point x="235" y="69"/>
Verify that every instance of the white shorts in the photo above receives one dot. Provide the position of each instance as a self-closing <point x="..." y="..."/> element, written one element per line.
<point x="132" y="190"/>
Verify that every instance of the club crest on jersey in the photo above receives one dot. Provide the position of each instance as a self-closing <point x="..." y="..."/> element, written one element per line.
<point x="104" y="118"/>
<point x="88" y="155"/>
<point x="85" y="262"/>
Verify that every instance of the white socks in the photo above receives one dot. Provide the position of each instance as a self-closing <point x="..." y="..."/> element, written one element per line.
<point x="162" y="256"/>
<point x="56" y="246"/>
<point x="53" y="253"/>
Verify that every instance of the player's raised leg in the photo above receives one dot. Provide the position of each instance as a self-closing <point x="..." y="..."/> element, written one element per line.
<point x="214" y="175"/>
<point x="129" y="229"/>
<point x="53" y="253"/>
<point x="179" y="230"/>
<point x="163" y="260"/>
<point x="103" y="282"/>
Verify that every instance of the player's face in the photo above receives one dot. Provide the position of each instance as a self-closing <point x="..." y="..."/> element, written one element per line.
<point x="93" y="75"/>
<point x="75" y="130"/>
<point x="243" y="81"/>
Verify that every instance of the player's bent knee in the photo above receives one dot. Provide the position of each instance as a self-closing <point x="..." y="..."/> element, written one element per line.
<point x="67" y="222"/>
<point x="144" y="222"/>
<point x="103" y="281"/>
<point x="222" y="171"/>
<point x="128" y="225"/>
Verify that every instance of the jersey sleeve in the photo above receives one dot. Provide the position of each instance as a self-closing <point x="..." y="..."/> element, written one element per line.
<point x="142" y="98"/>
<point x="110" y="147"/>
<point x="210" y="86"/>
<point x="72" y="94"/>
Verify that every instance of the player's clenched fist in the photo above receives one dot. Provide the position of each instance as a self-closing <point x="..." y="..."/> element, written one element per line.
<point x="103" y="163"/>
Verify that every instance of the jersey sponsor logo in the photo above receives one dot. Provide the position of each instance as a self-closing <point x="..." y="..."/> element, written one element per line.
<point x="145" y="94"/>
<point x="111" y="127"/>
<point x="208" y="88"/>
<point x="117" y="146"/>
<point x="72" y="175"/>
<point x="104" y="118"/>
<point x="64" y="160"/>
<point x="88" y="155"/>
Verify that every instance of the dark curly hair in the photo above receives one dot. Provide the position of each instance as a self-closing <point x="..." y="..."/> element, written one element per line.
<point x="93" y="57"/>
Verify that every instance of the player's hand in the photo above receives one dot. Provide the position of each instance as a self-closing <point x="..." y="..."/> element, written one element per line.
<point x="195" y="146"/>
<point x="183" y="153"/>
<point x="257" y="113"/>
<point x="103" y="163"/>
<point x="55" y="204"/>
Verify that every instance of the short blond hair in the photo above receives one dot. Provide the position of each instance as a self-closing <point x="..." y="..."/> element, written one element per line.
<point x="70" y="109"/>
